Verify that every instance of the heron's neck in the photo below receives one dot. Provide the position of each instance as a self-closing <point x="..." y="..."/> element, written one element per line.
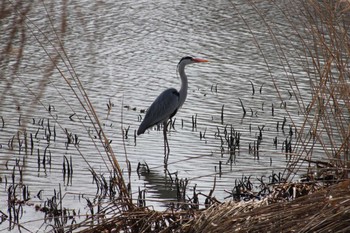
<point x="184" y="84"/>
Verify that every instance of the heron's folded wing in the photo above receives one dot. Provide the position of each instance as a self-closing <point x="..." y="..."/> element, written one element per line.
<point x="164" y="107"/>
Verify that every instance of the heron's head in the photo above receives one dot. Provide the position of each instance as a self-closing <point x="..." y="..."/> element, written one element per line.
<point x="189" y="60"/>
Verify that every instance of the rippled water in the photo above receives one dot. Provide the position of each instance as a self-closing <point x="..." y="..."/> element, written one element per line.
<point x="126" y="53"/>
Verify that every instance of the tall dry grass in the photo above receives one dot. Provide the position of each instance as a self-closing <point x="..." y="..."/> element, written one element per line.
<point x="327" y="115"/>
<point x="317" y="40"/>
<point x="18" y="31"/>
<point x="20" y="28"/>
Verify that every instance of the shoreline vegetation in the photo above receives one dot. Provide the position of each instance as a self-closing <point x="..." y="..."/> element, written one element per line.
<point x="319" y="202"/>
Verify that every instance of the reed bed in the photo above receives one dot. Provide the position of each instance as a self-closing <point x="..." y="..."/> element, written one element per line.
<point x="143" y="220"/>
<point x="326" y="115"/>
<point x="314" y="207"/>
<point x="325" y="210"/>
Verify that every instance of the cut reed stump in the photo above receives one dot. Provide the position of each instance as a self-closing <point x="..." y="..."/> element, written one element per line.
<point x="326" y="210"/>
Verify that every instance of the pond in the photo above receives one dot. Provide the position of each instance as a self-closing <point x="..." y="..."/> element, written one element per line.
<point x="125" y="54"/>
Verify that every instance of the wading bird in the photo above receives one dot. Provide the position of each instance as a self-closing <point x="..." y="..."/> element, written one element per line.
<point x="167" y="104"/>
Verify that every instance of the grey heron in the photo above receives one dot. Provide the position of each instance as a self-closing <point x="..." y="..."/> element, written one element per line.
<point x="168" y="103"/>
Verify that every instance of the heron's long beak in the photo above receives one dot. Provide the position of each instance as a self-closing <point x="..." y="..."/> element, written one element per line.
<point x="199" y="60"/>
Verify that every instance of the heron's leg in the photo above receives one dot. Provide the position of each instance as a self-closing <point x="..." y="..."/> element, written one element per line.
<point x="166" y="145"/>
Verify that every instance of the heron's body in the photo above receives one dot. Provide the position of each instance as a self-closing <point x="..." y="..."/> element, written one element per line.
<point x="169" y="101"/>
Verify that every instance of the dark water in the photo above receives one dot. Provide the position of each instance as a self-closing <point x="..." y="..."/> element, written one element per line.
<point x="125" y="54"/>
